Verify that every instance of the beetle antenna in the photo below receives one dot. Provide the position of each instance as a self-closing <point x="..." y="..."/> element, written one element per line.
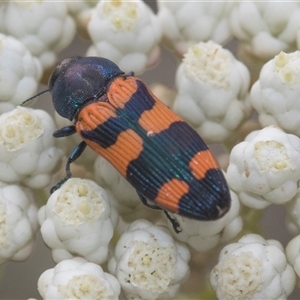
<point x="27" y="100"/>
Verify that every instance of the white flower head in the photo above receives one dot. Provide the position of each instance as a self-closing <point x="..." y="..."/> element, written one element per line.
<point x="78" y="279"/>
<point x="187" y="22"/>
<point x="126" y="32"/>
<point x="253" y="268"/>
<point x="20" y="73"/>
<point x="275" y="95"/>
<point x="266" y="27"/>
<point x="28" y="151"/>
<point x="78" y="221"/>
<point x="18" y="222"/>
<point x="264" y="169"/>
<point x="148" y="263"/>
<point x="205" y="235"/>
<point x="43" y="27"/>
<point x="212" y="87"/>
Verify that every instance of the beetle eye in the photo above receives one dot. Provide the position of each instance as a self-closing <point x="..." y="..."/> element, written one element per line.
<point x="53" y="78"/>
<point x="59" y="69"/>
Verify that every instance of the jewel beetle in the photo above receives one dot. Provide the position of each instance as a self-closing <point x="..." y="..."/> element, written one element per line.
<point x="163" y="158"/>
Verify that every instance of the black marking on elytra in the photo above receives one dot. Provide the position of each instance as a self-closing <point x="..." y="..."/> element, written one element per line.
<point x="140" y="101"/>
<point x="214" y="194"/>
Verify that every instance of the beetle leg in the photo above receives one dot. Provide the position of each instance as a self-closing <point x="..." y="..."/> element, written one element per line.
<point x="65" y="131"/>
<point x="146" y="203"/>
<point x="173" y="221"/>
<point x="77" y="151"/>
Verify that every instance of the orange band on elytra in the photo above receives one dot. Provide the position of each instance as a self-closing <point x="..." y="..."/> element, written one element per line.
<point x="201" y="162"/>
<point x="170" y="193"/>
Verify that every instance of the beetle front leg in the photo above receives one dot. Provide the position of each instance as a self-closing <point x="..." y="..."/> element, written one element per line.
<point x="65" y="131"/>
<point x="77" y="151"/>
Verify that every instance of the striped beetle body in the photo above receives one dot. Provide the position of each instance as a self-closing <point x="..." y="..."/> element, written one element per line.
<point x="163" y="158"/>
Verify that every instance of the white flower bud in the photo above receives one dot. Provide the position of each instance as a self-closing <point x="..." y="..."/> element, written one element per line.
<point x="212" y="88"/>
<point x="18" y="222"/>
<point x="28" y="151"/>
<point x="43" y="27"/>
<point x="253" y="268"/>
<point x="148" y="263"/>
<point x="187" y="22"/>
<point x="266" y="27"/>
<point x="275" y="95"/>
<point x="126" y="32"/>
<point x="78" y="279"/>
<point x="78" y="220"/>
<point x="264" y="169"/>
<point x="19" y="74"/>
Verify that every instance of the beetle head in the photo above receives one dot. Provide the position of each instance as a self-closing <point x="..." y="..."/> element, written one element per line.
<point x="77" y="80"/>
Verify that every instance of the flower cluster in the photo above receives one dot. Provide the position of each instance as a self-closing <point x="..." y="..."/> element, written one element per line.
<point x="78" y="279"/>
<point x="253" y="268"/>
<point x="212" y="87"/>
<point x="263" y="168"/>
<point x="18" y="225"/>
<point x="29" y="153"/>
<point x="236" y="83"/>
<point x="266" y="28"/>
<point x="275" y="94"/>
<point x="186" y="23"/>
<point x="43" y="27"/>
<point x="19" y="74"/>
<point x="148" y="263"/>
<point x="78" y="221"/>
<point x="126" y="33"/>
